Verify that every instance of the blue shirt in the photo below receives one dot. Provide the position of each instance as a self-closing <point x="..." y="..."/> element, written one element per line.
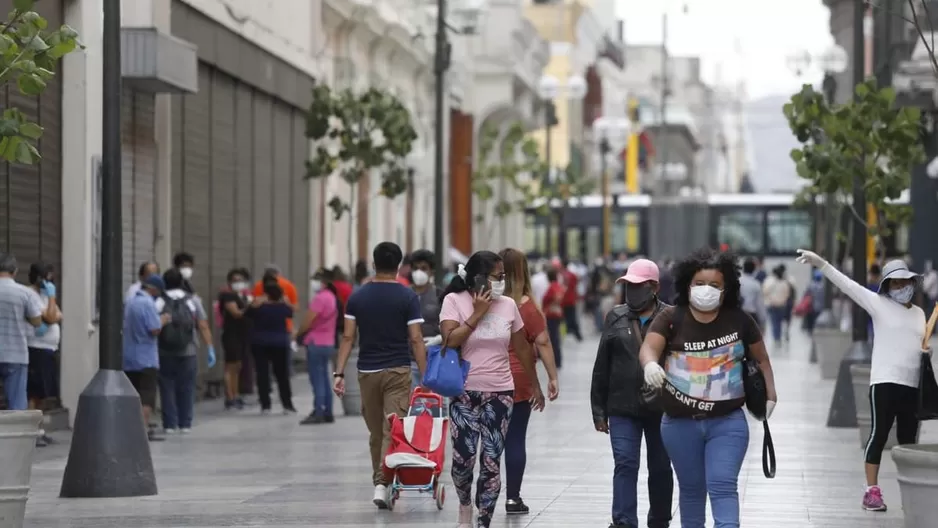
<point x="140" y="320"/>
<point x="269" y="324"/>
<point x="383" y="311"/>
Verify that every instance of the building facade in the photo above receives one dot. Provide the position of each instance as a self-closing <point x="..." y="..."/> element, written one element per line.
<point x="214" y="151"/>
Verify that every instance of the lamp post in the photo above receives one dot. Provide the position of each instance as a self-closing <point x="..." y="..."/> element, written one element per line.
<point x="110" y="454"/>
<point x="550" y="88"/>
<point x="469" y="12"/>
<point x="613" y="133"/>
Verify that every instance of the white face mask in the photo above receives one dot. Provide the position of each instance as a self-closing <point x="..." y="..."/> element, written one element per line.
<point x="315" y="285"/>
<point x="239" y="286"/>
<point x="705" y="298"/>
<point x="420" y="277"/>
<point x="186" y="273"/>
<point x="903" y="295"/>
<point x="498" y="288"/>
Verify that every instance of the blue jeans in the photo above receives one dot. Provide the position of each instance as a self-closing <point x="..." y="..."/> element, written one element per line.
<point x="14" y="377"/>
<point x="707" y="455"/>
<point x="626" y="437"/>
<point x="177" y="390"/>
<point x="317" y="366"/>
<point x="776" y="319"/>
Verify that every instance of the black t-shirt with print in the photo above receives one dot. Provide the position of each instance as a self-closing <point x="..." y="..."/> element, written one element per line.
<point x="704" y="361"/>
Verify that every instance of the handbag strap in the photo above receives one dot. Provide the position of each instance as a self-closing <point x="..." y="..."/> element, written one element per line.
<point x="768" y="451"/>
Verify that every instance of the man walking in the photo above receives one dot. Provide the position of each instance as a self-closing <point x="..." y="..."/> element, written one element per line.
<point x="20" y="316"/>
<point x="422" y="272"/>
<point x="386" y="315"/>
<point x="621" y="410"/>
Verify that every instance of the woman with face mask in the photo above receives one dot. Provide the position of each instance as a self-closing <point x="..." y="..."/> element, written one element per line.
<point x="483" y="323"/>
<point x="233" y="302"/>
<point x="693" y="356"/>
<point x="318" y="334"/>
<point x="899" y="328"/>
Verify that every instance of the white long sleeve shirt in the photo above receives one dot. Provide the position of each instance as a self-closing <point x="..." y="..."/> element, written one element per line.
<point x="897" y="332"/>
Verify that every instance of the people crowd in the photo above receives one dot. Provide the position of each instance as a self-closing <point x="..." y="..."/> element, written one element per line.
<point x="674" y="341"/>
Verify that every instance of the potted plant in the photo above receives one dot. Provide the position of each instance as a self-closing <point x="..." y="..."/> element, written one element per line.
<point x="19" y="431"/>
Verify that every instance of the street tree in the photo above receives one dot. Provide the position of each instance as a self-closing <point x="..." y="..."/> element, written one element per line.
<point x="511" y="163"/>
<point x="357" y="134"/>
<point x="29" y="54"/>
<point x="868" y="137"/>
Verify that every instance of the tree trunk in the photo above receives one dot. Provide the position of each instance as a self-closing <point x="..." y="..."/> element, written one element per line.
<point x="352" y="219"/>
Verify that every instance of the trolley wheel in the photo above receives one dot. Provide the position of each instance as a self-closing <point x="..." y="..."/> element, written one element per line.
<point x="440" y="496"/>
<point x="392" y="500"/>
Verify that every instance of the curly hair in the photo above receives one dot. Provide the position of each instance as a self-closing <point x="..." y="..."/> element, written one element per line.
<point x="726" y="262"/>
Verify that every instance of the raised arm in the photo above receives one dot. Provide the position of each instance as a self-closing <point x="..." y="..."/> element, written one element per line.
<point x="858" y="293"/>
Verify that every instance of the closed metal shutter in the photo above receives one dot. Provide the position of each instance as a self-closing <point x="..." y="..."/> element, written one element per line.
<point x="138" y="181"/>
<point x="31" y="196"/>
<point x="239" y="193"/>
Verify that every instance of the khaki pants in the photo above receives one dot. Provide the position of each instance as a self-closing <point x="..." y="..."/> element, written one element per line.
<point x="383" y="393"/>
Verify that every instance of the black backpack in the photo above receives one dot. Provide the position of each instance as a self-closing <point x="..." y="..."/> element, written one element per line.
<point x="177" y="334"/>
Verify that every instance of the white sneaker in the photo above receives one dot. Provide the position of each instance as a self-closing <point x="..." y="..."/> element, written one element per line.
<point x="169" y="431"/>
<point x="185" y="430"/>
<point x="381" y="497"/>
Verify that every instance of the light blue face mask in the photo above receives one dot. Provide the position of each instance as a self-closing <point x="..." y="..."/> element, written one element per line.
<point x="902" y="295"/>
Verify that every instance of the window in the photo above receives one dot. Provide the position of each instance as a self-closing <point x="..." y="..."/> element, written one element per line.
<point x="789" y="231"/>
<point x="531" y="234"/>
<point x="741" y="231"/>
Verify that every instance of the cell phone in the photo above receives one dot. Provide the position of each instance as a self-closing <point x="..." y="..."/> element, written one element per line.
<point x="481" y="283"/>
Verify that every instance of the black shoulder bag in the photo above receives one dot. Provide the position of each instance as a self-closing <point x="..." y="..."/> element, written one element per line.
<point x="757" y="397"/>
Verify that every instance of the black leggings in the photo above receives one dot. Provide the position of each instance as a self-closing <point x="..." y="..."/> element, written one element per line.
<point x="276" y="358"/>
<point x="891" y="402"/>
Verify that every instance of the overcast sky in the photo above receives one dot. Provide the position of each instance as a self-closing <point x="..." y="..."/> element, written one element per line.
<point x="748" y="38"/>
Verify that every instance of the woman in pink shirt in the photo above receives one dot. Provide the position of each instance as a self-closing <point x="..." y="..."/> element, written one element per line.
<point x="477" y="319"/>
<point x="317" y="334"/>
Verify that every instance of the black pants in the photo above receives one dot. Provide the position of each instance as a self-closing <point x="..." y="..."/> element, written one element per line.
<point x="553" y="332"/>
<point x="572" y="321"/>
<point x="891" y="402"/>
<point x="267" y="358"/>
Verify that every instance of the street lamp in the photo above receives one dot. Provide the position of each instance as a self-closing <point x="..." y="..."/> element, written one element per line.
<point x="613" y="133"/>
<point x="470" y="13"/>
<point x="110" y="454"/>
<point x="549" y="88"/>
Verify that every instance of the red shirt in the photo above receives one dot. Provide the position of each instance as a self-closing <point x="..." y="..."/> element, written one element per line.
<point x="343" y="291"/>
<point x="534" y="324"/>
<point x="569" y="282"/>
<point x="553" y="301"/>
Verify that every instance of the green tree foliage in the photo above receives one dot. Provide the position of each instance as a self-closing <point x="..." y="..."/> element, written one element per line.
<point x="516" y="161"/>
<point x="868" y="137"/>
<point x="29" y="53"/>
<point x="355" y="134"/>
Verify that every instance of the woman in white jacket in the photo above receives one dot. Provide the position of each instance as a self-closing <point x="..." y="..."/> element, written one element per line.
<point x="898" y="330"/>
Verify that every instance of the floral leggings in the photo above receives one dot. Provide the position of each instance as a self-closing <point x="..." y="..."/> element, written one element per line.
<point x="476" y="416"/>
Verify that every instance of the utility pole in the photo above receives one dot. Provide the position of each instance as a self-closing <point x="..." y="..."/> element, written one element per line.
<point x="110" y="453"/>
<point x="441" y="64"/>
<point x="665" y="93"/>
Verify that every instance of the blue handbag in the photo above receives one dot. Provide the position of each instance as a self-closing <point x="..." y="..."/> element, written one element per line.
<point x="446" y="371"/>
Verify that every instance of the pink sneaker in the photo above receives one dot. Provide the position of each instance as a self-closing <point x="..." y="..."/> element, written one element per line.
<point x="873" y="500"/>
<point x="465" y="516"/>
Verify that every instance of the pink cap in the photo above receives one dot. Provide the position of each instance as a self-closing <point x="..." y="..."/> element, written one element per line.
<point x="641" y="270"/>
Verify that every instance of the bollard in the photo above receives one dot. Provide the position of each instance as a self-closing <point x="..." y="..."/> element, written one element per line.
<point x="352" y="399"/>
<point x="831" y="344"/>
<point x="917" y="469"/>
<point x="843" y="409"/>
<point x="861" y="398"/>
<point x="18" y="433"/>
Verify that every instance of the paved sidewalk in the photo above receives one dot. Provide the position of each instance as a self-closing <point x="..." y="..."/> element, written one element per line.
<point x="245" y="470"/>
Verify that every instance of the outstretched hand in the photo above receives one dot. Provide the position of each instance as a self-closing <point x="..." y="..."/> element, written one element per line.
<point x="810" y="258"/>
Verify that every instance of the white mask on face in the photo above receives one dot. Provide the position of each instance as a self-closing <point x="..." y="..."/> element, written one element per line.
<point x="705" y="298"/>
<point x="239" y="286"/>
<point x="315" y="285"/>
<point x="420" y="277"/>
<point x="186" y="273"/>
<point x="498" y="288"/>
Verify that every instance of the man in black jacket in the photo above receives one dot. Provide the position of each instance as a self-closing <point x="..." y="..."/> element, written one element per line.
<point x="619" y="408"/>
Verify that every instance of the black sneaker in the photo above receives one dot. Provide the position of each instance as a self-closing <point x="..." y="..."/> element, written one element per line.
<point x="313" y="419"/>
<point x="329" y="418"/>
<point x="151" y="436"/>
<point x="617" y="525"/>
<point x="239" y="403"/>
<point x="516" y="507"/>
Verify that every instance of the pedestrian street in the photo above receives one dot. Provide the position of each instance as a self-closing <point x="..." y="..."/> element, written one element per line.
<point x="247" y="470"/>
